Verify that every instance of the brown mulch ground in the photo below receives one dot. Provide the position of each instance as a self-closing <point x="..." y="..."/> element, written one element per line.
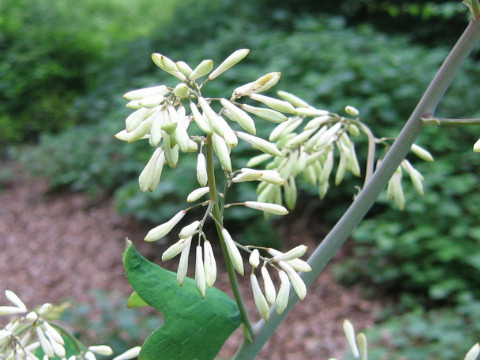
<point x="63" y="246"/>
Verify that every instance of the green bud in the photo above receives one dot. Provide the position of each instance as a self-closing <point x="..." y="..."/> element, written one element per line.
<point x="201" y="70"/>
<point x="200" y="120"/>
<point x="421" y="153"/>
<point x="267" y="114"/>
<point x="261" y="84"/>
<point x="223" y="154"/>
<point x="230" y="61"/>
<point x="275" y="104"/>
<point x="292" y="99"/>
<point x="259" y="143"/>
<point x="352" y="111"/>
<point x="181" y="90"/>
<point x="234" y="113"/>
<point x="184" y="68"/>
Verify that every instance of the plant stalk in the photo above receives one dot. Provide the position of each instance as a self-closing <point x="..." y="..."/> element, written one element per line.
<point x="218" y="216"/>
<point x="367" y="197"/>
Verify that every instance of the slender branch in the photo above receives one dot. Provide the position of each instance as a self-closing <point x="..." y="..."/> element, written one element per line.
<point x="218" y="217"/>
<point x="363" y="202"/>
<point x="449" y="122"/>
<point x="371" y="153"/>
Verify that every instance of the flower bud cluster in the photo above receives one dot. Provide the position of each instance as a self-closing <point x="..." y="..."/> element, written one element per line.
<point x="287" y="266"/>
<point x="30" y="330"/>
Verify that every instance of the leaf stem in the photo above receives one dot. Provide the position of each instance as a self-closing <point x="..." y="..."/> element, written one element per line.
<point x="449" y="122"/>
<point x="367" y="197"/>
<point x="218" y="217"/>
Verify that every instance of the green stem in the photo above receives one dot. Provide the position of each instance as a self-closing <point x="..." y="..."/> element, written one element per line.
<point x="367" y="197"/>
<point x="450" y="122"/>
<point x="218" y="216"/>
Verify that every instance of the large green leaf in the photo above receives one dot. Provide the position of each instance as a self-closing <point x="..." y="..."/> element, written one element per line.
<point x="193" y="328"/>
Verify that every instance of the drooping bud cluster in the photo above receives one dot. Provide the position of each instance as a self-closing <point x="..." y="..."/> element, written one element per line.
<point x="30" y="330"/>
<point x="286" y="264"/>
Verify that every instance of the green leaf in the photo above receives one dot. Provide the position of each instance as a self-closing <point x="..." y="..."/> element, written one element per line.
<point x="193" y="328"/>
<point x="134" y="301"/>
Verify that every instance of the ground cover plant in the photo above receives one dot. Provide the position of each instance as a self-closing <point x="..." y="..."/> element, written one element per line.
<point x="178" y="120"/>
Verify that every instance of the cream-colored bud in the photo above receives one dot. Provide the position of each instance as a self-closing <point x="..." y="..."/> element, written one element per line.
<point x="101" y="349"/>
<point x="259" y="299"/>
<point x="200" y="120"/>
<point x="362" y="345"/>
<point x="210" y="115"/>
<point x="176" y="248"/>
<point x="234" y="113"/>
<point x="181" y="90"/>
<point x="327" y="168"/>
<point x="281" y="301"/>
<point x="223" y="154"/>
<point x="144" y="92"/>
<point x="309" y="111"/>
<point x="171" y="153"/>
<point x="189" y="230"/>
<point x="266" y="207"/>
<point x="254" y="258"/>
<point x="272" y="177"/>
<point x="14" y="299"/>
<point x="53" y="333"/>
<point x="151" y="101"/>
<point x="209" y="263"/>
<point x="200" y="272"/>
<point x="233" y="252"/>
<point x="164" y="63"/>
<point x="285" y="128"/>
<point x="473" y="352"/>
<point x="476" y="146"/>
<point x="146" y="176"/>
<point x="342" y="166"/>
<point x="31" y="317"/>
<point x="317" y="122"/>
<point x="141" y="131"/>
<point x="202" y="176"/>
<point x="270" y="293"/>
<point x="44" y="343"/>
<point x="295" y="279"/>
<point x="184" y="68"/>
<point x="259" y="143"/>
<point x="275" y="104"/>
<point x="350" y="335"/>
<point x="415" y="176"/>
<point x="183" y="263"/>
<point x="300" y="138"/>
<point x="247" y="175"/>
<point x="11" y="310"/>
<point x="296" y="252"/>
<point x="201" y="70"/>
<point x="267" y="114"/>
<point x="421" y="153"/>
<point x="292" y="99"/>
<point x="290" y="191"/>
<point x="257" y="160"/>
<point x="156" y="128"/>
<point x="352" y="111"/>
<point x="161" y="230"/>
<point x="129" y="354"/>
<point x="395" y="190"/>
<point x="135" y="119"/>
<point x="197" y="194"/>
<point x="230" y="61"/>
<point x="264" y="83"/>
<point x="229" y="135"/>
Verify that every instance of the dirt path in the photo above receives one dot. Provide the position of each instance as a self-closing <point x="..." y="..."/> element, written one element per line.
<point x="57" y="247"/>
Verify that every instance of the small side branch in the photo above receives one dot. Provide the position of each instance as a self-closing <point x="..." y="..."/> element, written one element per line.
<point x="449" y="122"/>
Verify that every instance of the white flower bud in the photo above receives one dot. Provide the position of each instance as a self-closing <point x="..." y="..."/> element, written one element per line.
<point x="285" y="128"/>
<point x="473" y="352"/>
<point x="101" y="349"/>
<point x="309" y="111"/>
<point x="476" y="146"/>
<point x="230" y="61"/>
<point x="259" y="143"/>
<point x="135" y="119"/>
<point x="167" y="65"/>
<point x="209" y="263"/>
<point x="342" y="166"/>
<point x="184" y="68"/>
<point x="229" y="135"/>
<point x="267" y="114"/>
<point x="176" y="248"/>
<point x="161" y="230"/>
<point x="290" y="192"/>
<point x="221" y="149"/>
<point x="233" y="252"/>
<point x="210" y="115"/>
<point x="171" y="153"/>
<point x="142" y="130"/>
<point x="275" y="104"/>
<point x="299" y="139"/>
<point x="261" y="84"/>
<point x="202" y="176"/>
<point x="53" y="333"/>
<point x="283" y="293"/>
<point x="11" y="310"/>
<point x="421" y="153"/>
<point x="395" y="190"/>
<point x="44" y="343"/>
<point x="183" y="263"/>
<point x="259" y="299"/>
<point x="247" y="175"/>
<point x="14" y="299"/>
<point x="200" y="120"/>
<point x="350" y="335"/>
<point x="268" y="286"/>
<point x="189" y="230"/>
<point x="152" y="101"/>
<point x="234" y="113"/>
<point x="352" y="111"/>
<point x="292" y="99"/>
<point x="296" y="252"/>
<point x="272" y="177"/>
<point x="266" y="207"/>
<point x="197" y="194"/>
<point x="415" y="176"/>
<point x="45" y="309"/>
<point x="200" y="272"/>
<point x="181" y="90"/>
<point x="139" y="94"/>
<point x="254" y="258"/>
<point x="201" y="70"/>
<point x="129" y="354"/>
<point x="150" y="175"/>
<point x="295" y="279"/>
<point x="362" y="345"/>
<point x="31" y="317"/>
